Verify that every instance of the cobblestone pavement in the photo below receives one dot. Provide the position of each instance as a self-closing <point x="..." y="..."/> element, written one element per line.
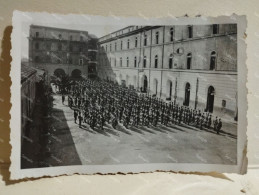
<point x="69" y="144"/>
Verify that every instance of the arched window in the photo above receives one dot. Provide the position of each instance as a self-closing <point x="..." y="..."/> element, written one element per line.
<point x="170" y="65"/>
<point x="144" y="61"/>
<point x="171" y="34"/>
<point x="121" y="62"/>
<point x="189" y="60"/>
<point x="127" y="61"/>
<point x="157" y="37"/>
<point x="36" y="45"/>
<point x="145" y="40"/>
<point x="213" y="60"/>
<point x="190" y="31"/>
<point x="135" y="62"/>
<point x="156" y="61"/>
<point x="128" y="43"/>
<point x="136" y="42"/>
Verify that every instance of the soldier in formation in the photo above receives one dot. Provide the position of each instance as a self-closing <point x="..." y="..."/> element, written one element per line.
<point x="97" y="103"/>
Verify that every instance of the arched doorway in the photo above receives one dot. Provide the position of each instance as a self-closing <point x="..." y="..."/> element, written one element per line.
<point x="155" y="85"/>
<point x="169" y="90"/>
<point x="59" y="72"/>
<point x="76" y="74"/>
<point x="187" y="94"/>
<point x="210" y="99"/>
<point x="144" y="84"/>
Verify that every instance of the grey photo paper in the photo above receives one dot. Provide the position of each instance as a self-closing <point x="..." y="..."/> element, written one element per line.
<point x="95" y="94"/>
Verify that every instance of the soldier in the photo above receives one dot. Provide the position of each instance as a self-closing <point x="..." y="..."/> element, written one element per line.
<point x="209" y="122"/>
<point x="75" y="115"/>
<point x="215" y="124"/>
<point x="63" y="99"/>
<point x="80" y="118"/>
<point x="219" y="126"/>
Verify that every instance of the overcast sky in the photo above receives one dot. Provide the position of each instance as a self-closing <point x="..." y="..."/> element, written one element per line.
<point x="97" y="30"/>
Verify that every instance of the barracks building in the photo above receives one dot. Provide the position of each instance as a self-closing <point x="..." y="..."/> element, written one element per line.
<point x="192" y="65"/>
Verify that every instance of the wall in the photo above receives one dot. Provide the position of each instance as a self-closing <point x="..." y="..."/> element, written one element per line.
<point x="145" y="183"/>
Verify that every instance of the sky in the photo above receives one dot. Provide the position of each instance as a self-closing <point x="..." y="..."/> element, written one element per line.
<point x="97" y="30"/>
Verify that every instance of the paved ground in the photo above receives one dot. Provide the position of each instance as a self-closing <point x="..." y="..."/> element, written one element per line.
<point x="69" y="145"/>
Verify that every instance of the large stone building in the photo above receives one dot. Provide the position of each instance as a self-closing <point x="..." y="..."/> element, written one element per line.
<point x="63" y="51"/>
<point x="193" y="65"/>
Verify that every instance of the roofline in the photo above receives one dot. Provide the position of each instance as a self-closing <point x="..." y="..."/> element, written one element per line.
<point x="33" y="25"/>
<point x="115" y="31"/>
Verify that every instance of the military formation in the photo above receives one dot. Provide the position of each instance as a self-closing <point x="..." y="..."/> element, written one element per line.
<point x="98" y="102"/>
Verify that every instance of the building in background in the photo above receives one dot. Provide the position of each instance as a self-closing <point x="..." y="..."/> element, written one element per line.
<point x="28" y="94"/>
<point x="62" y="51"/>
<point x="192" y="65"/>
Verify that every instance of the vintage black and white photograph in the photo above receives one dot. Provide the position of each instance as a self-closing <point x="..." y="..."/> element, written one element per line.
<point x="129" y="94"/>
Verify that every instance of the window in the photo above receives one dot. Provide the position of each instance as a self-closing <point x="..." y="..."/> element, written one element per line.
<point x="81" y="38"/>
<point x="36" y="45"/>
<point x="80" y="49"/>
<point x="135" y="62"/>
<point x="156" y="61"/>
<point x="189" y="60"/>
<point x="106" y="48"/>
<point x="70" y="48"/>
<point x="190" y="31"/>
<point x="115" y="46"/>
<point x="59" y="46"/>
<point x="121" y="62"/>
<point x="215" y="29"/>
<point x="179" y="51"/>
<point x="121" y="45"/>
<point x="157" y="37"/>
<point x="37" y="34"/>
<point x="81" y="61"/>
<point x="37" y="59"/>
<point x="145" y="40"/>
<point x="224" y="102"/>
<point x="128" y="43"/>
<point x="136" y="42"/>
<point x="115" y="62"/>
<point x="213" y="60"/>
<point x="71" y="37"/>
<point x="110" y="47"/>
<point x="172" y="34"/>
<point x="127" y="61"/>
<point x="60" y="36"/>
<point x="144" y="61"/>
<point x="170" y="65"/>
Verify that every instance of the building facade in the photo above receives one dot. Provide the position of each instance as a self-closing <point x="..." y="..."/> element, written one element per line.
<point x="63" y="51"/>
<point x="28" y="94"/>
<point x="192" y="65"/>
